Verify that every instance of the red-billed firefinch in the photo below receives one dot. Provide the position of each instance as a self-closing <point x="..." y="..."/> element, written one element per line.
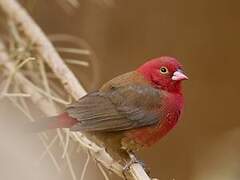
<point x="132" y="110"/>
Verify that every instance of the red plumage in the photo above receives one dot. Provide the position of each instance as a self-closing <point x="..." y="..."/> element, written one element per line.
<point x="133" y="109"/>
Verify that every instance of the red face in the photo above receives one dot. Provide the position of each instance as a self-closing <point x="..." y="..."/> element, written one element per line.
<point x="164" y="73"/>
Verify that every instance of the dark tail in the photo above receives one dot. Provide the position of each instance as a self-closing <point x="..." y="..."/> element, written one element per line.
<point x="61" y="121"/>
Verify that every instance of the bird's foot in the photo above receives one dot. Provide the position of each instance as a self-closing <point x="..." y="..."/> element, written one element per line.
<point x="133" y="160"/>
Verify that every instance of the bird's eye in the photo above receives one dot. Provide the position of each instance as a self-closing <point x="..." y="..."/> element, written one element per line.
<point x="163" y="70"/>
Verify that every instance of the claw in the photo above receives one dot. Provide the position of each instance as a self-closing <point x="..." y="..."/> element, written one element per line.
<point x="133" y="160"/>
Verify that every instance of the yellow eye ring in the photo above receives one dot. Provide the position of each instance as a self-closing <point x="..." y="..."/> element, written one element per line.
<point x="163" y="70"/>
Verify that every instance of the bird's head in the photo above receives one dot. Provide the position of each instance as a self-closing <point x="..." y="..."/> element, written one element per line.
<point x="165" y="73"/>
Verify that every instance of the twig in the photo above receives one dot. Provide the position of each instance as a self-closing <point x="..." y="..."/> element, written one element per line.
<point x="77" y="62"/>
<point x="16" y="95"/>
<point x="85" y="167"/>
<point x="82" y="44"/>
<point x="50" y="154"/>
<point x="103" y="171"/>
<point x="66" y="143"/>
<point x="46" y="51"/>
<point x="48" y="147"/>
<point x="44" y="48"/>
<point x="73" y="50"/>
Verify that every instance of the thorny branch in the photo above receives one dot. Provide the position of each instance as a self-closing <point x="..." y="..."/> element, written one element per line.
<point x="45" y="50"/>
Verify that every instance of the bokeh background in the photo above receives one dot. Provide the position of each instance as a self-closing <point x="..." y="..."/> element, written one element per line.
<point x="204" y="35"/>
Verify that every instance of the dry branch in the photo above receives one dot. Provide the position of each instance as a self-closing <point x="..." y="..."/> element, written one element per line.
<point x="44" y="47"/>
<point x="46" y="51"/>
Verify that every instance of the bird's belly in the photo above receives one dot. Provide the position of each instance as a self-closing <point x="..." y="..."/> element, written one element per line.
<point x="148" y="136"/>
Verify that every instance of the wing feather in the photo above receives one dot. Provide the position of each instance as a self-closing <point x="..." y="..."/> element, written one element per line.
<point x="120" y="108"/>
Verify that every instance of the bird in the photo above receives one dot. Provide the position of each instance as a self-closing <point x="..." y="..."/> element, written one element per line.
<point x="132" y="111"/>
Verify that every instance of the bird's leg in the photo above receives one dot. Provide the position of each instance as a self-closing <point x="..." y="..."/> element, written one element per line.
<point x="134" y="159"/>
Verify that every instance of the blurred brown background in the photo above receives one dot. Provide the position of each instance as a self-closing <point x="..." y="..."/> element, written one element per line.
<point x="205" y="36"/>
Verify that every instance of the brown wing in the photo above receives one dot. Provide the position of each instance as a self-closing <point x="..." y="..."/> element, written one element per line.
<point x="118" y="108"/>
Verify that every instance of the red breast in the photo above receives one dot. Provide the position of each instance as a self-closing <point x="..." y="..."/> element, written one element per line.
<point x="148" y="136"/>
